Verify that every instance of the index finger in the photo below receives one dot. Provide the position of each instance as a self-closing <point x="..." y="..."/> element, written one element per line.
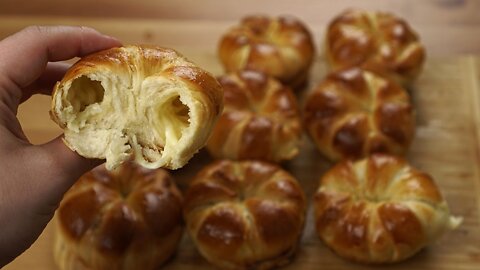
<point x="25" y="54"/>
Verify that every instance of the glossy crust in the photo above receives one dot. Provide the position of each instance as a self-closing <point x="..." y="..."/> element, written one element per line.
<point x="354" y="113"/>
<point x="146" y="103"/>
<point x="281" y="47"/>
<point x="379" y="210"/>
<point x="261" y="119"/>
<point x="377" y="41"/>
<point x="130" y="218"/>
<point x="245" y="215"/>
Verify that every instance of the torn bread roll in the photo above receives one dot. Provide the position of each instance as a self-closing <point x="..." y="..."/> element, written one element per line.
<point x="149" y="104"/>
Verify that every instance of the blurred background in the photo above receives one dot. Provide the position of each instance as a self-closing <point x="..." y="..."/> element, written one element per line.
<point x="446" y="26"/>
<point x="449" y="29"/>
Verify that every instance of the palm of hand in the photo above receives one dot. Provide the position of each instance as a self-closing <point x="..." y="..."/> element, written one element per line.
<point x="34" y="178"/>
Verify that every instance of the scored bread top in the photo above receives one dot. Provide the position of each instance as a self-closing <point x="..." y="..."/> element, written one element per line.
<point x="377" y="41"/>
<point x="379" y="210"/>
<point x="281" y="47"/>
<point x="353" y="113"/>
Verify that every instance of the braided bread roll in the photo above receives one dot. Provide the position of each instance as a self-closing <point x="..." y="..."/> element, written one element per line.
<point x="281" y="47"/>
<point x="245" y="215"/>
<point x="129" y="218"/>
<point x="376" y="41"/>
<point x="379" y="210"/>
<point x="354" y="113"/>
<point x="146" y="103"/>
<point x="261" y="119"/>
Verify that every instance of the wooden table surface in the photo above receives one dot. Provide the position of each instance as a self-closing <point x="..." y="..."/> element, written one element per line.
<point x="450" y="30"/>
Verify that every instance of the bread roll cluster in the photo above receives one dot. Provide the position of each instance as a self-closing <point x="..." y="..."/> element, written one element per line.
<point x="372" y="206"/>
<point x="243" y="211"/>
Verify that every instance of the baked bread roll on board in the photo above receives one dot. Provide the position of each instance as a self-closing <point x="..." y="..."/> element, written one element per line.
<point x="261" y="119"/>
<point x="281" y="47"/>
<point x="379" y="210"/>
<point x="146" y="103"/>
<point x="353" y="113"/>
<point x="126" y="219"/>
<point x="376" y="41"/>
<point x="245" y="215"/>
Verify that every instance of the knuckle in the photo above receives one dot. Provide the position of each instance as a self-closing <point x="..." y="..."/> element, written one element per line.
<point x="35" y="29"/>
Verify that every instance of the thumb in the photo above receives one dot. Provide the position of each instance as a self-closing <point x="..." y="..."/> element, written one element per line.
<point x="34" y="184"/>
<point x="65" y="166"/>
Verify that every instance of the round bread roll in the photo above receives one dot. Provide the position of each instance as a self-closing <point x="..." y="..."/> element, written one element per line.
<point x="245" y="215"/>
<point x="379" y="210"/>
<point x="377" y="41"/>
<point x="146" y="103"/>
<point x="129" y="218"/>
<point x="261" y="119"/>
<point x="281" y="47"/>
<point x="353" y="113"/>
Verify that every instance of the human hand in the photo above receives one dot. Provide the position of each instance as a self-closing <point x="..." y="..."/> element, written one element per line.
<point x="33" y="179"/>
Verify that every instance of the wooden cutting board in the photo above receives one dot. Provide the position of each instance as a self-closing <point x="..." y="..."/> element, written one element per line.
<point x="447" y="101"/>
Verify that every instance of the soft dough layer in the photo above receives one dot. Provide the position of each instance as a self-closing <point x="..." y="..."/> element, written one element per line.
<point x="146" y="103"/>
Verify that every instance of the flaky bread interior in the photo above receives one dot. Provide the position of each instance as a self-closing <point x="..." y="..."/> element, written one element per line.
<point x="146" y="103"/>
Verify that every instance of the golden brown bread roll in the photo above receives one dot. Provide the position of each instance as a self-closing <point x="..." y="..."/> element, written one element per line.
<point x="379" y="210"/>
<point x="129" y="218"/>
<point x="281" y="47"/>
<point x="377" y="41"/>
<point x="261" y="119"/>
<point x="146" y="103"/>
<point x="353" y="113"/>
<point x="245" y="215"/>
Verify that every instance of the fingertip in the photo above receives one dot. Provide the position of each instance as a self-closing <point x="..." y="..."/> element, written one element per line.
<point x="114" y="42"/>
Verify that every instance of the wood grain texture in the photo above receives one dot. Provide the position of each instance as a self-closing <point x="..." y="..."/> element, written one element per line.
<point x="446" y="145"/>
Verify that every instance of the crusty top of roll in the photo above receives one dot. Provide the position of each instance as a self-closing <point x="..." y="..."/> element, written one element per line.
<point x="281" y="47"/>
<point x="127" y="218"/>
<point x="142" y="102"/>
<point x="261" y="119"/>
<point x="377" y="41"/>
<point x="353" y="113"/>
<point x="380" y="209"/>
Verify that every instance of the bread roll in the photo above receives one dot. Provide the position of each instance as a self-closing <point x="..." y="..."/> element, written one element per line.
<point x="379" y="210"/>
<point x="129" y="218"/>
<point x="261" y="119"/>
<point x="146" y="103"/>
<point x="353" y="113"/>
<point x="245" y="215"/>
<point x="376" y="41"/>
<point x="281" y="47"/>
